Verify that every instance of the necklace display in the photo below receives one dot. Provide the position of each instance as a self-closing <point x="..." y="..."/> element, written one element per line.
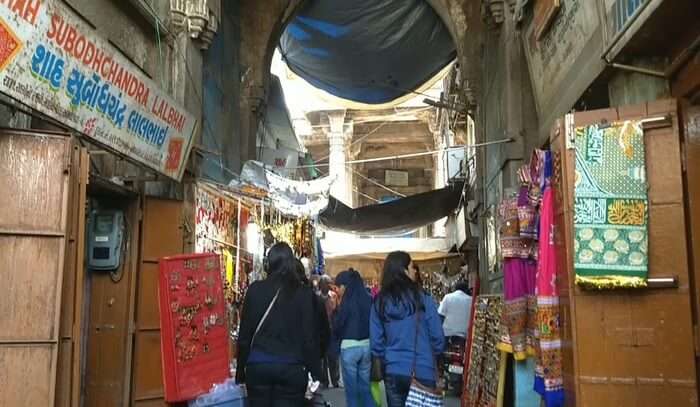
<point x="194" y="337"/>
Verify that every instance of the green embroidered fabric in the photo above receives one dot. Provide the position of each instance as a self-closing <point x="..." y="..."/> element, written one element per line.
<point x="610" y="207"/>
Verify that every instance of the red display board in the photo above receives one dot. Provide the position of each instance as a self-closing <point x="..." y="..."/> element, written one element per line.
<point x="194" y="336"/>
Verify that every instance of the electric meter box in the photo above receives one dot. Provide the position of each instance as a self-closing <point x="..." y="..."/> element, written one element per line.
<point x="105" y="239"/>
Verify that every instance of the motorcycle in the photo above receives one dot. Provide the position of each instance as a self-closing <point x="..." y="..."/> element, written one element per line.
<point x="453" y="364"/>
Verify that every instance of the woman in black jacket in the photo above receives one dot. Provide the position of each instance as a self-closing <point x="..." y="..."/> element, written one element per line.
<point x="324" y="327"/>
<point x="276" y="352"/>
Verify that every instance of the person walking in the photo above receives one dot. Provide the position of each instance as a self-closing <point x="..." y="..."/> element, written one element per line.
<point x="405" y="330"/>
<point x="329" y="358"/>
<point x="351" y="327"/>
<point x="322" y="321"/>
<point x="278" y="345"/>
<point x="456" y="309"/>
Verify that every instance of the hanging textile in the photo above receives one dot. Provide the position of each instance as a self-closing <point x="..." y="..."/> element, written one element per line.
<point x="290" y="197"/>
<point x="519" y="250"/>
<point x="395" y="217"/>
<point x="519" y="308"/>
<point x="548" y="369"/>
<point x="610" y="206"/>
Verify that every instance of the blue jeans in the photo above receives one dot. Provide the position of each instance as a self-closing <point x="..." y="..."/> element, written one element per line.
<point x="356" y="363"/>
<point x="397" y="387"/>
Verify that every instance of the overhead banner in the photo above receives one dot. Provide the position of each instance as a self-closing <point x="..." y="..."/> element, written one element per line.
<point x="57" y="64"/>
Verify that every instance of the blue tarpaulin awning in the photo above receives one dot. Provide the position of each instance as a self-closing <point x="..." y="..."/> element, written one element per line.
<point x="367" y="51"/>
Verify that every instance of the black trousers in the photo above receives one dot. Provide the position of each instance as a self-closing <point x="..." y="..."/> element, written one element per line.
<point x="330" y="366"/>
<point x="275" y="385"/>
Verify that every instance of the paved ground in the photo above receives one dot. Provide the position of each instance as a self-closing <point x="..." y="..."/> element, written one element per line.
<point x="337" y="398"/>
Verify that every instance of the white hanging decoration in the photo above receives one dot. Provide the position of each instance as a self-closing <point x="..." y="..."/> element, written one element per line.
<point x="290" y="197"/>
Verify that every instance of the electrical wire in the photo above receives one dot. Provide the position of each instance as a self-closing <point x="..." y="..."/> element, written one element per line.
<point x="412" y="155"/>
<point x="366" y="196"/>
<point x="384" y="187"/>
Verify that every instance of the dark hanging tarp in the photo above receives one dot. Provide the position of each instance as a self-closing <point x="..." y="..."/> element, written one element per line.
<point x="367" y="51"/>
<point x="396" y="217"/>
<point x="277" y="129"/>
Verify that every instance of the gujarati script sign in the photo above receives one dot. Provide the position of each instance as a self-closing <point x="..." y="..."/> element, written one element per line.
<point x="53" y="62"/>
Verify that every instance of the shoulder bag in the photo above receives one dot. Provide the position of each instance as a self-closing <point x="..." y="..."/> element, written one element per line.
<point x="418" y="394"/>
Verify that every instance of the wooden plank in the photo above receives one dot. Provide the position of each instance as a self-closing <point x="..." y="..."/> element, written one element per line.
<point x="692" y="175"/>
<point x="79" y="272"/>
<point x="25" y="377"/>
<point x="34" y="166"/>
<point x="61" y="262"/>
<point x="29" y="274"/>
<point x="134" y="213"/>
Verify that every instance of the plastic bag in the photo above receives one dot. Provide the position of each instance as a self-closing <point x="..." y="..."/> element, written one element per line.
<point x="224" y="394"/>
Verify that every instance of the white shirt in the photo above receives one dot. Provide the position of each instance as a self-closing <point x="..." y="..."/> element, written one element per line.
<point x="456" y="307"/>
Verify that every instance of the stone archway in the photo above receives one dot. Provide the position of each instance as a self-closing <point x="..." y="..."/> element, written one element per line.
<point x="262" y="24"/>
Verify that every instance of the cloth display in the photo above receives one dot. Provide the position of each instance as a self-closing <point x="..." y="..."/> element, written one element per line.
<point x="518" y="231"/>
<point x="548" y="370"/>
<point x="531" y="325"/>
<point x="290" y="197"/>
<point x="519" y="307"/>
<point x="610" y="206"/>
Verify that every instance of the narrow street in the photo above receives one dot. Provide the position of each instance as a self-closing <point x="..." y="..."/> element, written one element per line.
<point x="226" y="203"/>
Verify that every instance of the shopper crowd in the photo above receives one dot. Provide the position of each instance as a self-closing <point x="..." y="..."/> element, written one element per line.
<point x="294" y="332"/>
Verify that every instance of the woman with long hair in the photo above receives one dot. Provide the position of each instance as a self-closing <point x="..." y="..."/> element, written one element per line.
<point x="405" y="330"/>
<point x="278" y="344"/>
<point x="351" y="327"/>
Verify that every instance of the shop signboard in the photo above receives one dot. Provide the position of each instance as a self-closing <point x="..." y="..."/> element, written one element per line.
<point x="396" y="178"/>
<point x="55" y="63"/>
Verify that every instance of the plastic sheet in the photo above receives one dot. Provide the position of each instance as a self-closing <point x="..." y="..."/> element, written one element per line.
<point x="367" y="51"/>
<point x="226" y="394"/>
<point x="395" y="217"/>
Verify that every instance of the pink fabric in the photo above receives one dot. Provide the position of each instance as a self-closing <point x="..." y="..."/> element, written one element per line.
<point x="519" y="276"/>
<point x="520" y="306"/>
<point x="548" y="368"/>
<point x="547" y="258"/>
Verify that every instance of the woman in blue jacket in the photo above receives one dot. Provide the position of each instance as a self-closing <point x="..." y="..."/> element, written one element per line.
<point x="351" y="328"/>
<point x="405" y="330"/>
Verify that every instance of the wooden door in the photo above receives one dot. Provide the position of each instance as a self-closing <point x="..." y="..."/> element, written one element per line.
<point x="35" y="173"/>
<point x="631" y="348"/>
<point x="161" y="235"/>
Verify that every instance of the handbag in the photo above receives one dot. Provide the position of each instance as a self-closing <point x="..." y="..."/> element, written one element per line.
<point x="376" y="374"/>
<point x="420" y="395"/>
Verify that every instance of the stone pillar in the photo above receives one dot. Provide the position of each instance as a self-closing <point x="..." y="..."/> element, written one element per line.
<point x="337" y="157"/>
